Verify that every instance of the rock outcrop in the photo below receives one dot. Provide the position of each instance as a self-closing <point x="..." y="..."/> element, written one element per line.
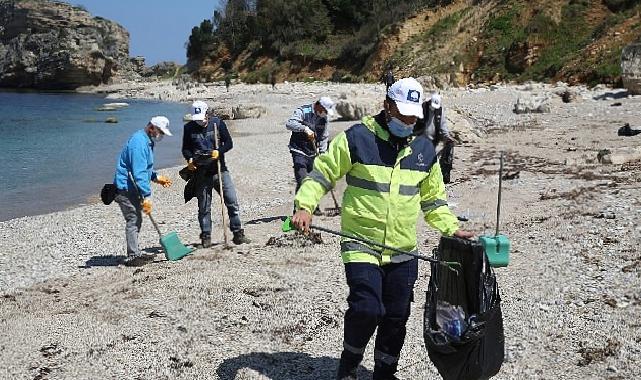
<point x="529" y="103"/>
<point x="631" y="68"/>
<point x="52" y="45"/>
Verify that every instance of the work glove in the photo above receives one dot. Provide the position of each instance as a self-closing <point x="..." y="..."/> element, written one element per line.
<point x="163" y="181"/>
<point x="146" y="206"/>
<point x="190" y="165"/>
<point x="310" y="134"/>
<point x="215" y="154"/>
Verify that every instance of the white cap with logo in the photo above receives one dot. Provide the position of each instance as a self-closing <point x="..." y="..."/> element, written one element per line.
<point x="436" y="101"/>
<point x="407" y="93"/>
<point x="328" y="104"/>
<point x="199" y="110"/>
<point x="161" y="123"/>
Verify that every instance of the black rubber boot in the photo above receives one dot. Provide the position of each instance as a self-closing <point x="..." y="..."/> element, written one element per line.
<point x="348" y="366"/>
<point x="384" y="371"/>
<point x="205" y="241"/>
<point x="240" y="238"/>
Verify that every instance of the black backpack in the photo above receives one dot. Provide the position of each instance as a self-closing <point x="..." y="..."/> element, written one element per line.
<point x="108" y="193"/>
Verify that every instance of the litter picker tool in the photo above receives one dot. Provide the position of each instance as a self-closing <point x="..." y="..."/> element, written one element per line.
<point x="220" y="189"/>
<point x="497" y="247"/>
<point x="174" y="249"/>
<point x="288" y="226"/>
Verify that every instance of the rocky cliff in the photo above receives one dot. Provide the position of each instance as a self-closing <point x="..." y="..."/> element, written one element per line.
<point x="52" y="45"/>
<point x="631" y="68"/>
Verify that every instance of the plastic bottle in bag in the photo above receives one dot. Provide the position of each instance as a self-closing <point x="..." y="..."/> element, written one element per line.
<point x="451" y="319"/>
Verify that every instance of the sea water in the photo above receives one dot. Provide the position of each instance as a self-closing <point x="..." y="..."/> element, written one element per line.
<point x="56" y="151"/>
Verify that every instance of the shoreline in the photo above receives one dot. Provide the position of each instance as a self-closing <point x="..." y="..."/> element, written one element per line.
<point x="147" y="91"/>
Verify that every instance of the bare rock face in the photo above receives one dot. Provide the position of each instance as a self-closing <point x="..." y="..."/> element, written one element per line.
<point x="357" y="109"/>
<point x="631" y="68"/>
<point x="51" y="45"/>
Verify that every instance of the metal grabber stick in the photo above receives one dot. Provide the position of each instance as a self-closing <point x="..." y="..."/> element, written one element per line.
<point x="220" y="189"/>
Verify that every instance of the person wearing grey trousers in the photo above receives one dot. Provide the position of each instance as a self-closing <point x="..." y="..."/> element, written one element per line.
<point x="133" y="177"/>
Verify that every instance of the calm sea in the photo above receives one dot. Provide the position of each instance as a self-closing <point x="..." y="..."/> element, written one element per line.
<point x="56" y="151"/>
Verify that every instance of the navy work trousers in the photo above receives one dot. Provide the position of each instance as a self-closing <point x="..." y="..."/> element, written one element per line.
<point x="379" y="297"/>
<point x="204" y="195"/>
<point x="302" y="166"/>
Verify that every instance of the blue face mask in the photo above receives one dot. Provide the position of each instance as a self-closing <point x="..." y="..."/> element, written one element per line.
<point x="400" y="129"/>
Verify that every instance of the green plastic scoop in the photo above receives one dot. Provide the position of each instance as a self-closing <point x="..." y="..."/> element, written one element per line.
<point x="174" y="249"/>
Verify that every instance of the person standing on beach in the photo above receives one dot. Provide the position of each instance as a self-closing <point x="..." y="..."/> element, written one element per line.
<point x="137" y="160"/>
<point x="310" y="136"/>
<point x="272" y="80"/>
<point x="227" y="81"/>
<point x="388" y="78"/>
<point x="392" y="179"/>
<point x="199" y="149"/>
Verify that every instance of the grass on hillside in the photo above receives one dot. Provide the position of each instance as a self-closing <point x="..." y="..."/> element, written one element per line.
<point x="560" y="42"/>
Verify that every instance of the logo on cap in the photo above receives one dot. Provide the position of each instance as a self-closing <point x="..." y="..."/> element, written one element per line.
<point x="413" y="96"/>
<point x="197" y="110"/>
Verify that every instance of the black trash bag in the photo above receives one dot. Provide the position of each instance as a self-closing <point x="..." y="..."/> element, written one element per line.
<point x="479" y="350"/>
<point x="108" y="193"/>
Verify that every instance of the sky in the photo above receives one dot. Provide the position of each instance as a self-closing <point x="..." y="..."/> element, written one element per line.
<point x="158" y="29"/>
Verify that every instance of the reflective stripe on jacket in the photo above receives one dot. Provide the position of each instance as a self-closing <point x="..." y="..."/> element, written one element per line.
<point x="386" y="190"/>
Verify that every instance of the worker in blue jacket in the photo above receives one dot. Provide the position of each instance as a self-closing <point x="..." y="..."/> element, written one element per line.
<point x="199" y="150"/>
<point x="137" y="160"/>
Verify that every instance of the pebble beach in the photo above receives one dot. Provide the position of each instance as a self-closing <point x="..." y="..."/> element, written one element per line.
<point x="571" y="295"/>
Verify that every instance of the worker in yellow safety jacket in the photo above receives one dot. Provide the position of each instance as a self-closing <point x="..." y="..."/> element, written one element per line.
<point x="391" y="176"/>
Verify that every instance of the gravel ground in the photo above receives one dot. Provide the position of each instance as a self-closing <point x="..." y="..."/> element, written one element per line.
<point x="571" y="295"/>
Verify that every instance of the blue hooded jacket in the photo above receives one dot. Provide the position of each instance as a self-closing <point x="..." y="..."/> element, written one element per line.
<point x="137" y="157"/>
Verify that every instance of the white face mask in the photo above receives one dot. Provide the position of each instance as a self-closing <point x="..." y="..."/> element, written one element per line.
<point x="321" y="114"/>
<point x="157" y="138"/>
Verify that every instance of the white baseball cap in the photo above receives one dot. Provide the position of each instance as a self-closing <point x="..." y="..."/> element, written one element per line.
<point x="162" y="123"/>
<point x="199" y="110"/>
<point x="328" y="104"/>
<point x="436" y="101"/>
<point x="408" y="95"/>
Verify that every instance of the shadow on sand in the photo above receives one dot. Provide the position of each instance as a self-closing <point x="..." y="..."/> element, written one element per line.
<point x="268" y="219"/>
<point x="284" y="366"/>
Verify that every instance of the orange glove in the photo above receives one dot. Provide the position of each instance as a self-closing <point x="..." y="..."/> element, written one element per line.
<point x="215" y="154"/>
<point x="191" y="166"/>
<point x="146" y="206"/>
<point x="310" y="134"/>
<point x="163" y="181"/>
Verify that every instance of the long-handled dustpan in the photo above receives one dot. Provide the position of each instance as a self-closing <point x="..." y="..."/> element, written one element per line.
<point x="497" y="246"/>
<point x="170" y="243"/>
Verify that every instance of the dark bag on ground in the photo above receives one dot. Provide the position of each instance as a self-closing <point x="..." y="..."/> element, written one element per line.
<point x="462" y="322"/>
<point x="108" y="193"/>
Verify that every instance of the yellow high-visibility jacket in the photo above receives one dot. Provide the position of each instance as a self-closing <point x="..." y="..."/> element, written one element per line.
<point x="386" y="190"/>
